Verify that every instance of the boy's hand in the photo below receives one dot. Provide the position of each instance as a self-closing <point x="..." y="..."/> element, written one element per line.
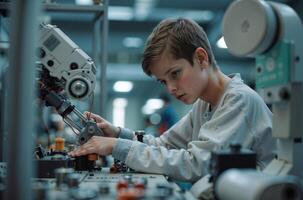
<point x="108" y="129"/>
<point x="97" y="144"/>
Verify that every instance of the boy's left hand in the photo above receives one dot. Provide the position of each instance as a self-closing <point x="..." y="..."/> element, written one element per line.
<point x="97" y="144"/>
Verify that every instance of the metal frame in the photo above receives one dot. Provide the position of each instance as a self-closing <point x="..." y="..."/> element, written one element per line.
<point x="21" y="89"/>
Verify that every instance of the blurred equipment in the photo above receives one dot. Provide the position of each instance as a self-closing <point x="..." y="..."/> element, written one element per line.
<point x="236" y="184"/>
<point x="47" y="161"/>
<point x="236" y="157"/>
<point x="222" y="160"/>
<point x="271" y="32"/>
<point x="70" y="184"/>
<point x="168" y="114"/>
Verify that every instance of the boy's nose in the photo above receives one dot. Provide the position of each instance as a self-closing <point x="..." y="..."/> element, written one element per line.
<point x="171" y="87"/>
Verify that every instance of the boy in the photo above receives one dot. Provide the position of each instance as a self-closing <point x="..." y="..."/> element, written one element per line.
<point x="178" y="55"/>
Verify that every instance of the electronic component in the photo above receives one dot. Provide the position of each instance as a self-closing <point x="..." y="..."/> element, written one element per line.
<point x="140" y="134"/>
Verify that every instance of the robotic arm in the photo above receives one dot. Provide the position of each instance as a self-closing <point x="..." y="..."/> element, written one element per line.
<point x="86" y="128"/>
<point x="63" y="66"/>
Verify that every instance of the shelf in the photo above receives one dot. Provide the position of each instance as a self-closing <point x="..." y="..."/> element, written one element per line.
<point x="64" y="8"/>
<point x="73" y="8"/>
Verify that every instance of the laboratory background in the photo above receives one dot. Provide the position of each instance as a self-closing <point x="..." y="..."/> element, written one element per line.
<point x="60" y="58"/>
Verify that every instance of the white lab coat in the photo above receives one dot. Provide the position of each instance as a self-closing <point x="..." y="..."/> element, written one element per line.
<point x="183" y="151"/>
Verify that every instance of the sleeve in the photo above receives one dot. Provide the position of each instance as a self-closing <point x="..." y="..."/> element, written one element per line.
<point x="176" y="137"/>
<point x="191" y="163"/>
<point x="126" y="133"/>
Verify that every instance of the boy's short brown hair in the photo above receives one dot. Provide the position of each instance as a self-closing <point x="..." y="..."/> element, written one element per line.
<point x="180" y="37"/>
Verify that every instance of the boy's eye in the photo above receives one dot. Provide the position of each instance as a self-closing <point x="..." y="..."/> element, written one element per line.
<point x="175" y="74"/>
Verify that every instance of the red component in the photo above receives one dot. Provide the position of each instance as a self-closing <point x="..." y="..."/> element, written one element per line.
<point x="139" y="185"/>
<point x="122" y="184"/>
<point x="113" y="169"/>
<point x="130" y="194"/>
<point x="93" y="157"/>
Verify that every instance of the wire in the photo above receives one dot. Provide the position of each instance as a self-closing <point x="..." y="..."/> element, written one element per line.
<point x="90" y="105"/>
<point x="71" y="127"/>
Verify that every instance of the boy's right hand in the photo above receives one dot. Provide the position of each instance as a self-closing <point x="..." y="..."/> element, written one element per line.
<point x="108" y="129"/>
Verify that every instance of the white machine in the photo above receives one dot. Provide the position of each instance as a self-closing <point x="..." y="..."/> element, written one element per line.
<point x="64" y="60"/>
<point x="272" y="33"/>
<point x="250" y="184"/>
<point x="65" y="67"/>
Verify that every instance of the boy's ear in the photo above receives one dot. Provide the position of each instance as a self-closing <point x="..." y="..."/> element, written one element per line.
<point x="202" y="56"/>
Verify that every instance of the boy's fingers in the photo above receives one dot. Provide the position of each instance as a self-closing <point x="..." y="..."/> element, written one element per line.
<point x="92" y="115"/>
<point x="102" y="125"/>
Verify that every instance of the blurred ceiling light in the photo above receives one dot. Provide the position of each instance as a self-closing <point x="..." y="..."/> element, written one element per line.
<point x="120" y="102"/>
<point x="119" y="105"/>
<point x="132" y="42"/>
<point x="221" y="43"/>
<point x="84" y="2"/>
<point x="143" y="8"/>
<point x="123" y="86"/>
<point x="199" y="15"/>
<point x="122" y="13"/>
<point x="155" y="103"/>
<point x="152" y="105"/>
<point x="147" y="111"/>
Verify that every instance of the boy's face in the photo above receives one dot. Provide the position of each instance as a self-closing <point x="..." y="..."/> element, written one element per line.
<point x="184" y="81"/>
